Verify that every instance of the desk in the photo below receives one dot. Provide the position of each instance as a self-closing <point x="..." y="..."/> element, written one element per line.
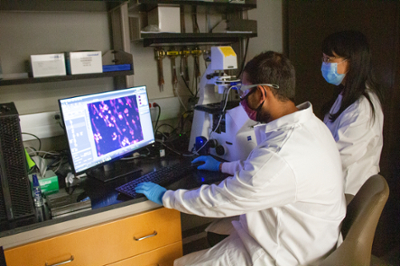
<point x="100" y="236"/>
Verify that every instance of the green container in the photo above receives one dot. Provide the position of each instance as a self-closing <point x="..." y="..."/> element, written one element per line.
<point x="48" y="183"/>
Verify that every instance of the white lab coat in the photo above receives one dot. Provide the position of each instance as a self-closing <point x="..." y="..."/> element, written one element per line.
<point x="359" y="140"/>
<point x="289" y="193"/>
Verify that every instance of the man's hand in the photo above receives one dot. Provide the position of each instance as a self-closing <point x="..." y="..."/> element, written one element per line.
<point x="209" y="163"/>
<point x="152" y="191"/>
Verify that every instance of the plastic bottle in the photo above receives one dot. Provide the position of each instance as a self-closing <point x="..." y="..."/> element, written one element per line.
<point x="37" y="192"/>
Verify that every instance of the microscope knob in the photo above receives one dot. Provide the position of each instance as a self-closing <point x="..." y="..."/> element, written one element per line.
<point x="220" y="150"/>
<point x="213" y="143"/>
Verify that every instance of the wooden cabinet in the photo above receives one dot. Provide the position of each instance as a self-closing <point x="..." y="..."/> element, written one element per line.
<point x="164" y="256"/>
<point x="156" y="233"/>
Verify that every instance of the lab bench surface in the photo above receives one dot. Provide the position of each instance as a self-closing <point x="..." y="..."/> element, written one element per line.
<point x="107" y="204"/>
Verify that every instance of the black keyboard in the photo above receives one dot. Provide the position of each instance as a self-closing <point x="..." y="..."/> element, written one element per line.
<point x="163" y="176"/>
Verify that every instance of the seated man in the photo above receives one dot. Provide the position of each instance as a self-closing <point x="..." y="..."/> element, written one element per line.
<point x="288" y="192"/>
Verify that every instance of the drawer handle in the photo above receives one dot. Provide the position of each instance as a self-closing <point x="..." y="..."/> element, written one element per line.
<point x="138" y="239"/>
<point x="63" y="262"/>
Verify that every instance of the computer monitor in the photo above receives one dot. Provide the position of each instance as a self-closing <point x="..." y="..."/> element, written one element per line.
<point x="104" y="127"/>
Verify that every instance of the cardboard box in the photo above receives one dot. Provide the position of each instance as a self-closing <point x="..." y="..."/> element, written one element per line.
<point x="166" y="18"/>
<point x="84" y="62"/>
<point x="47" y="65"/>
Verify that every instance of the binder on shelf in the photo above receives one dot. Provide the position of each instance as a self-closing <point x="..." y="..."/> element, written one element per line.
<point x="117" y="61"/>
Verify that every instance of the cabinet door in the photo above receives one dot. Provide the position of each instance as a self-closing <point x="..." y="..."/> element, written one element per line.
<point x="164" y="256"/>
<point x="104" y="243"/>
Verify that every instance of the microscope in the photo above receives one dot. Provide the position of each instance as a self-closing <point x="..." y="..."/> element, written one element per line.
<point x="219" y="127"/>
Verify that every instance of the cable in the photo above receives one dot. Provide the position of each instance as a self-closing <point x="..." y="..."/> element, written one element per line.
<point x="210" y="30"/>
<point x="61" y="124"/>
<point x="180" y="99"/>
<point x="159" y="112"/>
<point x="173" y="150"/>
<point x="182" y="76"/>
<point x="140" y="155"/>
<point x="56" y="160"/>
<point x="165" y="136"/>
<point x="184" y="119"/>
<point x="196" y="28"/>
<point x="164" y="125"/>
<point x="59" y="165"/>
<point x="40" y="142"/>
<point x="30" y="148"/>
<point x="195" y="79"/>
<point x="196" y="61"/>
<point x="219" y="121"/>
<point x="45" y="152"/>
<point x="244" y="58"/>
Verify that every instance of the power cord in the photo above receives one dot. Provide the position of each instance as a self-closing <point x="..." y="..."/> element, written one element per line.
<point x="159" y="113"/>
<point x="183" y="78"/>
<point x="244" y="59"/>
<point x="40" y="142"/>
<point x="219" y="121"/>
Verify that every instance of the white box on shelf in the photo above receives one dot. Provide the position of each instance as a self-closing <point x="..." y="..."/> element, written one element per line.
<point x="166" y="18"/>
<point x="46" y="65"/>
<point x="84" y="62"/>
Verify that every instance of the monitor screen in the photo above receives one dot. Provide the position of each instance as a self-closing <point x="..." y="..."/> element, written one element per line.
<point x="105" y="126"/>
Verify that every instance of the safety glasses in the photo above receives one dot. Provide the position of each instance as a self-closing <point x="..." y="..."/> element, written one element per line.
<point x="243" y="90"/>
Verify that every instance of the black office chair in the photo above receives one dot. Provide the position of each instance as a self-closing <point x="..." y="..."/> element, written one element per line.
<point x="359" y="225"/>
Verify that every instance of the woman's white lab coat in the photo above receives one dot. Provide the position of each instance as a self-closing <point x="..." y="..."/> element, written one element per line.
<point x="359" y="140"/>
<point x="289" y="193"/>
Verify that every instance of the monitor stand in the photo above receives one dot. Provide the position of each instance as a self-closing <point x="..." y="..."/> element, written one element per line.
<point x="113" y="170"/>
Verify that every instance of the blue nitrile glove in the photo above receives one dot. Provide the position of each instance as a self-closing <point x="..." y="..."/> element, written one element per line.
<point x="152" y="191"/>
<point x="209" y="163"/>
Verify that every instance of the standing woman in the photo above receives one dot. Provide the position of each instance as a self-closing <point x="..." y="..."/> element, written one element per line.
<point x="355" y="118"/>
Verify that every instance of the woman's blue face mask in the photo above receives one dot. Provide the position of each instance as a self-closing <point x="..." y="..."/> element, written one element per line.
<point x="329" y="72"/>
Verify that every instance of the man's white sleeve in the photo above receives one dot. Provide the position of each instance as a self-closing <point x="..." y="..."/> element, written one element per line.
<point x="265" y="181"/>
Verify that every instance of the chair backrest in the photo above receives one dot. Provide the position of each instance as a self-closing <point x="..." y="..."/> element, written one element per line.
<point x="359" y="225"/>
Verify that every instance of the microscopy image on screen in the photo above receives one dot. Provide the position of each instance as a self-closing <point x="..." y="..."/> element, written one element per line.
<point x="115" y="124"/>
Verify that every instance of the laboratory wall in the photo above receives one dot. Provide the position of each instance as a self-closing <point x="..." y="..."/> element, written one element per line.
<point x="269" y="26"/>
<point x="26" y="33"/>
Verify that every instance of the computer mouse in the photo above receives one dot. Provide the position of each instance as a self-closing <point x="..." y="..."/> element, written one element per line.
<point x="196" y="164"/>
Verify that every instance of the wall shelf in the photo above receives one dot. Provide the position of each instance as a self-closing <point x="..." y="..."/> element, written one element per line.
<point x="60" y="5"/>
<point x="6" y="82"/>
<point x="238" y="29"/>
<point x="176" y="39"/>
<point x="218" y="5"/>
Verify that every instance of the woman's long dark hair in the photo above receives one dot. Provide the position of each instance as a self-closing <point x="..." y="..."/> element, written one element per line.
<point x="353" y="46"/>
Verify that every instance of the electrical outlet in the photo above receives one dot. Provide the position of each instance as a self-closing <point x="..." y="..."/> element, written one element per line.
<point x="170" y="108"/>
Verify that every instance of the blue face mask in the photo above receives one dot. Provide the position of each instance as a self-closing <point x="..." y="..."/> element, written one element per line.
<point x="329" y="72"/>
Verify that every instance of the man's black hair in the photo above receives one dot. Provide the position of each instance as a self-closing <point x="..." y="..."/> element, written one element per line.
<point x="274" y="68"/>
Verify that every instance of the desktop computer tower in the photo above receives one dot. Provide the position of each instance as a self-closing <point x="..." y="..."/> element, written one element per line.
<point x="15" y="192"/>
